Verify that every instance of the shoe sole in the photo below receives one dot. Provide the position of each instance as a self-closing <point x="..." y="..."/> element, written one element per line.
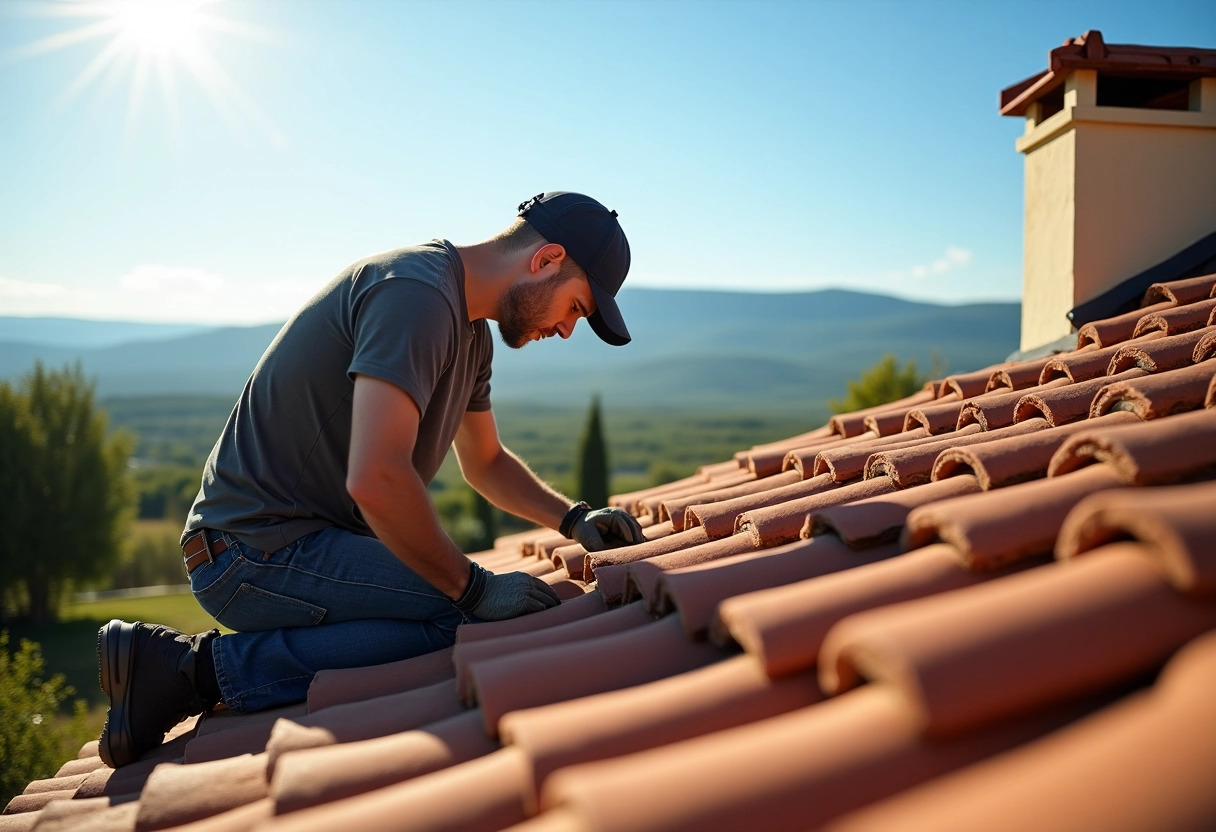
<point x="115" y="659"/>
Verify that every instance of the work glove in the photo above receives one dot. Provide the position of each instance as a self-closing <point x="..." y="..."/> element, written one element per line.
<point x="493" y="597"/>
<point x="605" y="528"/>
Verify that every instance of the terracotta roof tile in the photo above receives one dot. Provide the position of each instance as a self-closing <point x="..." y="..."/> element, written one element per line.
<point x="1021" y="375"/>
<point x="1147" y="765"/>
<point x="1159" y="395"/>
<point x="673" y="508"/>
<point x="718" y="519"/>
<point x="641" y="577"/>
<point x="1116" y="330"/>
<point x="1176" y="524"/>
<point x="875" y="520"/>
<point x="782" y="523"/>
<point x="694" y="592"/>
<point x="849" y="463"/>
<point x="980" y="654"/>
<point x="323" y="774"/>
<point x="913" y="463"/>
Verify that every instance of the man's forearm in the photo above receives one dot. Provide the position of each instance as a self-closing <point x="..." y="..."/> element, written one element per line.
<point x="510" y="484"/>
<point x="398" y="509"/>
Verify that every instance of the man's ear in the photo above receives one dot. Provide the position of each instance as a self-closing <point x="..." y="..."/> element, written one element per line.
<point x="546" y="254"/>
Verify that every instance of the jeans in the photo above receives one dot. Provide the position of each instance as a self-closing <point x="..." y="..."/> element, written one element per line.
<point x="332" y="599"/>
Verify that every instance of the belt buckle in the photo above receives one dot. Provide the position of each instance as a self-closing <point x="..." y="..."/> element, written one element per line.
<point x="206" y="548"/>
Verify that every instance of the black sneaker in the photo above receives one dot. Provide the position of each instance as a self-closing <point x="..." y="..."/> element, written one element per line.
<point x="148" y="673"/>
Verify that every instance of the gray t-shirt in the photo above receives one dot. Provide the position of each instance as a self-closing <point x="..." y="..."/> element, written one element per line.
<point x="278" y="470"/>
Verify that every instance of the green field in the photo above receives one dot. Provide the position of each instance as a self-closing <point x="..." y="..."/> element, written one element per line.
<point x="70" y="645"/>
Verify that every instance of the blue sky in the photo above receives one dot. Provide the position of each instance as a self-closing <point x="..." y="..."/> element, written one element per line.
<point x="747" y="145"/>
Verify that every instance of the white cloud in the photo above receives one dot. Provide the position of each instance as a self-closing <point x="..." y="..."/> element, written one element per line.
<point x="24" y="290"/>
<point x="156" y="278"/>
<point x="155" y="292"/>
<point x="954" y="258"/>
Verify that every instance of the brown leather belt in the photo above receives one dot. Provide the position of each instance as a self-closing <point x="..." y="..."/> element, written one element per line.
<point x="197" y="550"/>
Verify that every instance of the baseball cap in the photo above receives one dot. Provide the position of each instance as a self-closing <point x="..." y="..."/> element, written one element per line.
<point x="591" y="235"/>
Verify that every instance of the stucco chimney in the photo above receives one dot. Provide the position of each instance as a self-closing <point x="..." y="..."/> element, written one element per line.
<point x="1120" y="149"/>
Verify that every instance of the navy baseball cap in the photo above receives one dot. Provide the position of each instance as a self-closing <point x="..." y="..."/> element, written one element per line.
<point x="591" y="235"/>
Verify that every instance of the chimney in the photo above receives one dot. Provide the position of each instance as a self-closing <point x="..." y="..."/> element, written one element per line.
<point x="1120" y="148"/>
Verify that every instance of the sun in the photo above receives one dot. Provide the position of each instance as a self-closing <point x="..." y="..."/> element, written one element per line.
<point x="159" y="26"/>
<point x="156" y="42"/>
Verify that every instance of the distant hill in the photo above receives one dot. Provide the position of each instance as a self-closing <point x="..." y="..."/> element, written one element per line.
<point x="691" y="349"/>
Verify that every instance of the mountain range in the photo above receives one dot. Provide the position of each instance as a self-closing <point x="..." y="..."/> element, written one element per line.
<point x="690" y="349"/>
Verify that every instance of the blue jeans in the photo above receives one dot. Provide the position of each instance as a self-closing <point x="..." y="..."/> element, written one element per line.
<point x="332" y="599"/>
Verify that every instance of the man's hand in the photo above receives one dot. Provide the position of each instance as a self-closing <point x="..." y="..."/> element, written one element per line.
<point x="605" y="528"/>
<point x="493" y="597"/>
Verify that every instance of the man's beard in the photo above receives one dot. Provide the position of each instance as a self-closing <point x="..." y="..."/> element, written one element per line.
<point x="523" y="307"/>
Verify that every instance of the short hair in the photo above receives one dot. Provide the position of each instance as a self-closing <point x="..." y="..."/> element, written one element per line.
<point x="521" y="235"/>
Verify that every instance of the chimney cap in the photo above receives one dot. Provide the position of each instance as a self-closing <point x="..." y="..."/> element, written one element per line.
<point x="1091" y="51"/>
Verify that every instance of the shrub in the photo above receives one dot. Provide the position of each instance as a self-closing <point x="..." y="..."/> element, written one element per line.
<point x="34" y="737"/>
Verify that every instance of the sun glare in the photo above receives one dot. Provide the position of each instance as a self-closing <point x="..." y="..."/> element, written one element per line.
<point x="160" y="26"/>
<point x="147" y="41"/>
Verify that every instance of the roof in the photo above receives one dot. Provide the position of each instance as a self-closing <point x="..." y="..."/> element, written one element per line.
<point x="991" y="605"/>
<point x="1091" y="51"/>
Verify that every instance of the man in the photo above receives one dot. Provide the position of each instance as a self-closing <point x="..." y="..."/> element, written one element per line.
<point x="312" y="535"/>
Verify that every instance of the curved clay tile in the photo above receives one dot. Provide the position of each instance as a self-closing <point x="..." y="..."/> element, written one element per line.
<point x="884" y="424"/>
<point x="1209" y="401"/>
<point x="913" y="464"/>
<point x="173" y="796"/>
<point x="765" y="463"/>
<point x="966" y="385"/>
<point x="794" y="771"/>
<point x="1169" y="353"/>
<point x="995" y="410"/>
<point x="81" y="765"/>
<point x="852" y="424"/>
<point x="1180" y="292"/>
<point x="649" y="507"/>
<point x="1147" y="763"/>
<point x="1109" y="331"/>
<point x="364" y="720"/>
<point x="485" y="793"/>
<point x="613" y="621"/>
<point x="503" y="560"/>
<point x="1017" y="376"/>
<point x="70" y="783"/>
<point x="1206" y="348"/>
<point x="652" y="548"/>
<point x="995" y="528"/>
<point x="226" y="733"/>
<point x="560" y="582"/>
<point x="875" y="520"/>
<point x="1069" y="403"/>
<point x="314" y="776"/>
<point x="642" y="578"/>
<point x="695" y="592"/>
<point x="1082" y="366"/>
<point x="576" y="608"/>
<point x="629" y="499"/>
<point x="1158" y="395"/>
<point x="1148" y="453"/>
<point x="849" y="463"/>
<point x="718" y="519"/>
<point x="939" y="417"/>
<point x="784" y="626"/>
<point x="819" y="434"/>
<point x="540" y="677"/>
<point x="1175" y="523"/>
<point x="1179" y="319"/>
<point x="974" y="657"/>
<point x="675" y="507"/>
<point x="544" y="546"/>
<point x="782" y="523"/>
<point x="73" y="815"/>
<point x="1010" y="459"/>
<point x="573" y="558"/>
<point x="733" y="692"/>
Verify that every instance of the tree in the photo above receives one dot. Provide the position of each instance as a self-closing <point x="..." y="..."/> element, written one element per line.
<point x="593" y="460"/>
<point x="65" y="495"/>
<point x="882" y="383"/>
<point x="34" y="737"/>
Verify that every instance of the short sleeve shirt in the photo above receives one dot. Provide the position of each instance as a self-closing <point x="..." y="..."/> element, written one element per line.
<point x="278" y="470"/>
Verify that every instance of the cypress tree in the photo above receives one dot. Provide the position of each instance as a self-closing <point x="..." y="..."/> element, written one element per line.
<point x="593" y="460"/>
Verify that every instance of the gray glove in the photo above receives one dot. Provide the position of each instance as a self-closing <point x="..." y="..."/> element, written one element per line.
<point x="605" y="528"/>
<point x="493" y="597"/>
